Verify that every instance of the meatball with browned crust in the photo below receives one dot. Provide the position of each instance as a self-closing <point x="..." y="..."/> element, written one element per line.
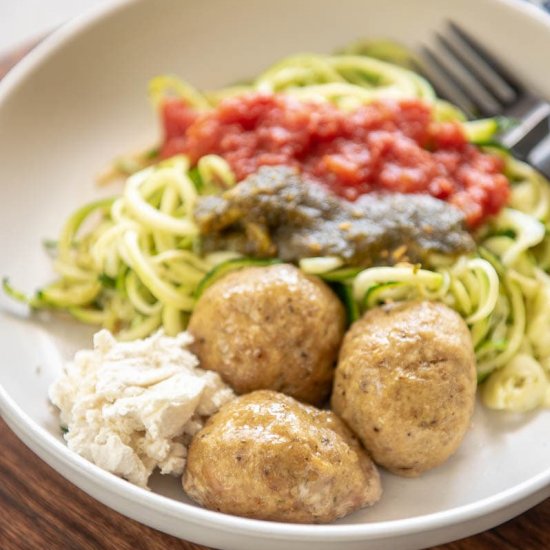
<point x="267" y="456"/>
<point x="270" y="328"/>
<point x="406" y="383"/>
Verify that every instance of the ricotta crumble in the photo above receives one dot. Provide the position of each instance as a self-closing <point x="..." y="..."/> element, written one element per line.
<point x="131" y="407"/>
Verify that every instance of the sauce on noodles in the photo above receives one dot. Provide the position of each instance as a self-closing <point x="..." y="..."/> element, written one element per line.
<point x="388" y="145"/>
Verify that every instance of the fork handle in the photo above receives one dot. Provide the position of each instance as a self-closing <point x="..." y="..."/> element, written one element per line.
<point x="533" y="126"/>
<point x="539" y="157"/>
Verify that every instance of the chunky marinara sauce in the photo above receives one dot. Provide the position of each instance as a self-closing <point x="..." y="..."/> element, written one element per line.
<point x="384" y="146"/>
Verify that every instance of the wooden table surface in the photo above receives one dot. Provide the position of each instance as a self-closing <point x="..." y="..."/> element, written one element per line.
<point x="40" y="510"/>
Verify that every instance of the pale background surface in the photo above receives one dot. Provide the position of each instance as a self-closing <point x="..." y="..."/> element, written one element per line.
<point x="24" y="20"/>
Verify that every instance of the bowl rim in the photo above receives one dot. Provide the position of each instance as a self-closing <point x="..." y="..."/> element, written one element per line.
<point x="45" y="444"/>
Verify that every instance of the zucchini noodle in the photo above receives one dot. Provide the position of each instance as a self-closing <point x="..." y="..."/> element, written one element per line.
<point x="322" y="264"/>
<point x="131" y="263"/>
<point x="134" y="268"/>
<point x="348" y="81"/>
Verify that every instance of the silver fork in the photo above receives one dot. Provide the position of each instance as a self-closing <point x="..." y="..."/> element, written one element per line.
<point x="465" y="73"/>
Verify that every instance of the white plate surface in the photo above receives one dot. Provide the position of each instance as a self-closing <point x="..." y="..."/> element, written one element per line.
<point x="80" y="99"/>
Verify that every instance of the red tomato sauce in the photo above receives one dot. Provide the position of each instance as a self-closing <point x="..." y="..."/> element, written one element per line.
<point x="392" y="146"/>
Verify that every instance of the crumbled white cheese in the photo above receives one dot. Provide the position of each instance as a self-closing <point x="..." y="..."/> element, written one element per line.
<point x="131" y="407"/>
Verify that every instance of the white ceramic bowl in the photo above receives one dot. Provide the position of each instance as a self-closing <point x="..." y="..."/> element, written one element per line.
<point x="80" y="98"/>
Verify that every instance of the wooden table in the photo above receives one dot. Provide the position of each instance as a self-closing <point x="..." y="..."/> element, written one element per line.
<point x="40" y="510"/>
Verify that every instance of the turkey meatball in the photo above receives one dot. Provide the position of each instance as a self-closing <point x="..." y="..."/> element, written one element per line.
<point x="267" y="456"/>
<point x="406" y="383"/>
<point x="270" y="328"/>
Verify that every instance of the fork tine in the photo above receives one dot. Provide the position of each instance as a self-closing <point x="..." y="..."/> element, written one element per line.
<point x="443" y="83"/>
<point x="489" y="57"/>
<point x="474" y="90"/>
<point x="478" y="61"/>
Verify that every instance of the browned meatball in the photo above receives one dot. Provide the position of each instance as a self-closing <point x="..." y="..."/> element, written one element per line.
<point x="405" y="383"/>
<point x="270" y="328"/>
<point x="267" y="456"/>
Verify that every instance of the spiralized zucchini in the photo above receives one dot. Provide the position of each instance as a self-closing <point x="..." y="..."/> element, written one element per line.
<point x="128" y="264"/>
<point x="348" y="81"/>
<point x="131" y="264"/>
